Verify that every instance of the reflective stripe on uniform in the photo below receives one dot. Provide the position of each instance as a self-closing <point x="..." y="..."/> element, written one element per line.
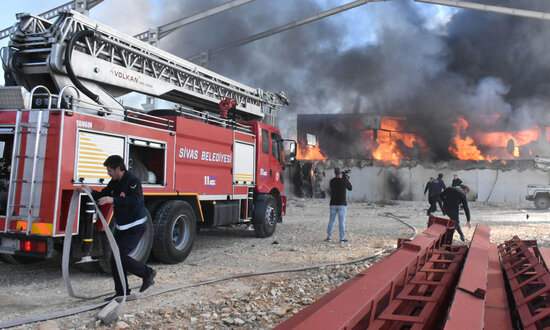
<point x="132" y="224"/>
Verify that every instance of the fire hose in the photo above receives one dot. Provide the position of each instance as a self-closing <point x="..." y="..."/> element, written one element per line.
<point x="108" y="316"/>
<point x="114" y="314"/>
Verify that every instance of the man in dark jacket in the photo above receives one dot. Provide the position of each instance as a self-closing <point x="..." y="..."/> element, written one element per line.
<point x="426" y="189"/>
<point x="338" y="204"/>
<point x="436" y="187"/>
<point x="456" y="181"/>
<point x="452" y="198"/>
<point x="125" y="193"/>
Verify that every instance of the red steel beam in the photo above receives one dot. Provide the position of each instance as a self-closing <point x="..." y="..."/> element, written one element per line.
<point x="421" y="304"/>
<point x="468" y="307"/>
<point x="529" y="283"/>
<point x="544" y="254"/>
<point x="497" y="311"/>
<point x="365" y="296"/>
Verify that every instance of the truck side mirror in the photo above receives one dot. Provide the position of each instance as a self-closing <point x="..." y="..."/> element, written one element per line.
<point x="289" y="149"/>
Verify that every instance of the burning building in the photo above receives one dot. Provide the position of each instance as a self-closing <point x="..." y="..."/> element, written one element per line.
<point x="395" y="155"/>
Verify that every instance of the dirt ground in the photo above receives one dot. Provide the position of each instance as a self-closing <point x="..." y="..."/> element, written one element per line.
<point x="261" y="301"/>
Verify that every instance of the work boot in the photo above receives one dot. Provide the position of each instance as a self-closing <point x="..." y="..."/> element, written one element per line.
<point x="148" y="280"/>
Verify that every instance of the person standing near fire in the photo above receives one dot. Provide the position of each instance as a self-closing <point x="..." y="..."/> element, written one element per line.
<point x="427" y="189"/>
<point x="435" y="188"/>
<point x="452" y="198"/>
<point x="338" y="205"/>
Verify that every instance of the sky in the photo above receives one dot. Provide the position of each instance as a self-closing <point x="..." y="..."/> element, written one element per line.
<point x="396" y="57"/>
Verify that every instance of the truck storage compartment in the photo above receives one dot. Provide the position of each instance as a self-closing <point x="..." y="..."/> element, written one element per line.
<point x="147" y="161"/>
<point x="6" y="148"/>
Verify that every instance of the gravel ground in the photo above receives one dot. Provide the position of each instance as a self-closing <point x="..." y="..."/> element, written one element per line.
<point x="251" y="302"/>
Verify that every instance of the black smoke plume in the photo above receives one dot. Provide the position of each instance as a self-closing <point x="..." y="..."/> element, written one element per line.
<point x="393" y="58"/>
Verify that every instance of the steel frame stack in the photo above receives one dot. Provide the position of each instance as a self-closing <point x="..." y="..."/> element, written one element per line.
<point x="402" y="288"/>
<point x="412" y="287"/>
<point x="529" y="282"/>
<point x="421" y="301"/>
<point x="480" y="300"/>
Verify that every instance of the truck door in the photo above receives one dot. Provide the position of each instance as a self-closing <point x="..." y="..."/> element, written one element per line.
<point x="269" y="161"/>
<point x="276" y="160"/>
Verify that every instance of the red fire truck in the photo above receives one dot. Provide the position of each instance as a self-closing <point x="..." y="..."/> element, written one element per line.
<point x="211" y="160"/>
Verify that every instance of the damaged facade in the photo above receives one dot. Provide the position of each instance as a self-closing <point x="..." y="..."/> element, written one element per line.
<point x="392" y="158"/>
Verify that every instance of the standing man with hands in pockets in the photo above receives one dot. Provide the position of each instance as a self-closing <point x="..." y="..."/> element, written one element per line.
<point x="338" y="204"/>
<point x="125" y="193"/>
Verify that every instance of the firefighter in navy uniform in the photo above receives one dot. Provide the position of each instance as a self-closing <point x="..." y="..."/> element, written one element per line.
<point x="434" y="189"/>
<point x="452" y="198"/>
<point x="456" y="181"/>
<point x="125" y="193"/>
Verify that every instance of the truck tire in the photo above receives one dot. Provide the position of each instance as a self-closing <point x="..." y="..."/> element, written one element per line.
<point x="140" y="253"/>
<point x="153" y="205"/>
<point x="265" y="220"/>
<point x="542" y="202"/>
<point x="175" y="230"/>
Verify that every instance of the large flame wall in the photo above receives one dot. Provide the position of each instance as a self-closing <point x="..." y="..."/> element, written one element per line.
<point x="396" y="138"/>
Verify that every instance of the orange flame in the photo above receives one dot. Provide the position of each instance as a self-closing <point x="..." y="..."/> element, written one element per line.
<point x="503" y="139"/>
<point x="390" y="132"/>
<point x="464" y="148"/>
<point x="310" y="152"/>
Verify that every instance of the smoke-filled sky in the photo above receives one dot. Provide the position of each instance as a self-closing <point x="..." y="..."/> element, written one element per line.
<point x="397" y="56"/>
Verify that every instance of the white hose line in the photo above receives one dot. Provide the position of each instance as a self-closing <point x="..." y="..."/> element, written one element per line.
<point x="67" y="312"/>
<point x="113" y="315"/>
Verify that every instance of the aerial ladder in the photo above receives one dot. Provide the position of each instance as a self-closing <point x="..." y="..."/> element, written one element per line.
<point x="112" y="64"/>
<point x="81" y="6"/>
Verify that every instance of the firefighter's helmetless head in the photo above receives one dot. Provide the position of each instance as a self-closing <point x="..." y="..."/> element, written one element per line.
<point x="465" y="188"/>
<point x="115" y="167"/>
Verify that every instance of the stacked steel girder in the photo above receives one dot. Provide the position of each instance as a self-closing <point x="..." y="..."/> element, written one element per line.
<point x="480" y="300"/>
<point x="429" y="284"/>
<point x="529" y="282"/>
<point x="408" y="287"/>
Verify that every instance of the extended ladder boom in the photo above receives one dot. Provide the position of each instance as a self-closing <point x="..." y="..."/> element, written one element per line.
<point x="114" y="64"/>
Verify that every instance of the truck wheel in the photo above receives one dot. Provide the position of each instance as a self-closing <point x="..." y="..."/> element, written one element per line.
<point x="265" y="221"/>
<point x="175" y="230"/>
<point x="542" y="202"/>
<point x="153" y="205"/>
<point x="140" y="253"/>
